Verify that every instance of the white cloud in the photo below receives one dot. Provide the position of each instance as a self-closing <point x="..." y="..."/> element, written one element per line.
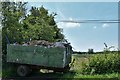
<point x="72" y="25"/>
<point x="94" y="27"/>
<point x="105" y="25"/>
<point x="68" y="25"/>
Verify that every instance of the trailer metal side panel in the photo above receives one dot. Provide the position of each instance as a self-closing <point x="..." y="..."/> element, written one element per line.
<point x="36" y="55"/>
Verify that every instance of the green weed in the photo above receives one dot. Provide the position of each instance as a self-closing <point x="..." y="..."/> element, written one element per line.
<point x="102" y="63"/>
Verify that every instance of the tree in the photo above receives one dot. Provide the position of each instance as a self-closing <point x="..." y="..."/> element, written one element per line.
<point x="12" y="14"/>
<point x="40" y="25"/>
<point x="20" y="27"/>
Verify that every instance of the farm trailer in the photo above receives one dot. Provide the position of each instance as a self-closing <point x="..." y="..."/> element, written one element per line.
<point x="31" y="58"/>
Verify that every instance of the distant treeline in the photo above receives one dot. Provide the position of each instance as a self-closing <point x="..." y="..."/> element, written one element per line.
<point x="75" y="52"/>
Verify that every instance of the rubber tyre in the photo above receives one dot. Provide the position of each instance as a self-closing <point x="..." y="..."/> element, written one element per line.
<point x="22" y="70"/>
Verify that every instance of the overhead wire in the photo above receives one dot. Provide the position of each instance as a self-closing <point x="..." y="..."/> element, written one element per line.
<point x="90" y="21"/>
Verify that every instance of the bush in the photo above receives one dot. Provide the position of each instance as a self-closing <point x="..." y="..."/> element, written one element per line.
<point x="102" y="63"/>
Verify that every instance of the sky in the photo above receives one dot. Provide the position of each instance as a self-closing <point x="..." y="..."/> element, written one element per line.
<point x="83" y="36"/>
<point x="66" y="0"/>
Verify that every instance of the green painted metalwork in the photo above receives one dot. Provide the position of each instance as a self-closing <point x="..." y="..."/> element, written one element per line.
<point x="39" y="55"/>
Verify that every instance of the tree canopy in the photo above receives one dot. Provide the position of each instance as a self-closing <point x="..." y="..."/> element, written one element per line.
<point x="18" y="26"/>
<point x="40" y="25"/>
<point x="12" y="13"/>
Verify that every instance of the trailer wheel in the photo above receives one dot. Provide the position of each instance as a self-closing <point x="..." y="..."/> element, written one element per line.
<point x="22" y="70"/>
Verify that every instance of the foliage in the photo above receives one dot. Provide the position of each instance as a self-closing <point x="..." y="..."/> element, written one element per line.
<point x="102" y="63"/>
<point x="90" y="51"/>
<point x="12" y="13"/>
<point x="39" y="25"/>
<point x="21" y="27"/>
<point x="0" y="37"/>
